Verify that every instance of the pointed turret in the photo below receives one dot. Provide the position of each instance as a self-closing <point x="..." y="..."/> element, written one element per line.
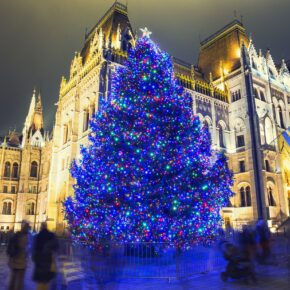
<point x="33" y="132"/>
<point x="38" y="120"/>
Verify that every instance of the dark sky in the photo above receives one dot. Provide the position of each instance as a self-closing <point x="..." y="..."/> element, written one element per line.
<point x="38" y="39"/>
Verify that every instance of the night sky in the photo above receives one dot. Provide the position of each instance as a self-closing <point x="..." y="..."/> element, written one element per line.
<point x="38" y="39"/>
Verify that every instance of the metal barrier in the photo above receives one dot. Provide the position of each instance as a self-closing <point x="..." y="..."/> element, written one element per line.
<point x="143" y="260"/>
<point x="153" y="260"/>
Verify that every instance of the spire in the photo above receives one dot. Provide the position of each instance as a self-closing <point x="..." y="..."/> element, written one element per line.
<point x="37" y="118"/>
<point x="38" y="106"/>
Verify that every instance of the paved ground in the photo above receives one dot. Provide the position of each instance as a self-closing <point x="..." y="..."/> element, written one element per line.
<point x="269" y="277"/>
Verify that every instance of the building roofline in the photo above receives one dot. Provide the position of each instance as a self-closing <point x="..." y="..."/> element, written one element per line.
<point x="116" y="6"/>
<point x="235" y="23"/>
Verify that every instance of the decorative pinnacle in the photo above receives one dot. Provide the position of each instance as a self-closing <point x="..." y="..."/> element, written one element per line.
<point x="146" y="32"/>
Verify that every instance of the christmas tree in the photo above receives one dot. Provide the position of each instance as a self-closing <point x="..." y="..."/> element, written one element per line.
<point x="149" y="173"/>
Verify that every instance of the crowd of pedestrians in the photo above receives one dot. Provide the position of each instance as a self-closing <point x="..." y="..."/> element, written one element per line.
<point x="42" y="249"/>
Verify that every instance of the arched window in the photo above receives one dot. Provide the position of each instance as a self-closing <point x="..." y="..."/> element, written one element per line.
<point x="15" y="170"/>
<point x="221" y="136"/>
<point x="248" y="196"/>
<point x="7" y="169"/>
<point x="30" y="208"/>
<point x="270" y="197"/>
<point x="269" y="131"/>
<point x="281" y="117"/>
<point x="33" y="169"/>
<point x="4" y="209"/>
<point x="205" y="124"/>
<point x="7" y="207"/>
<point x="243" y="198"/>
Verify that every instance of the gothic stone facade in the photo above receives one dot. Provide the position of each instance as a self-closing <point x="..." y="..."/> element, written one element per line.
<point x="230" y="80"/>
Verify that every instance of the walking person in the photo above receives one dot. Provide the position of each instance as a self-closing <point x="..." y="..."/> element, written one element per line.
<point x="43" y="254"/>
<point x="17" y="252"/>
<point x="264" y="240"/>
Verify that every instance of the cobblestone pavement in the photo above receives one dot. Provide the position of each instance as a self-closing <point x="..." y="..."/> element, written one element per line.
<point x="269" y="277"/>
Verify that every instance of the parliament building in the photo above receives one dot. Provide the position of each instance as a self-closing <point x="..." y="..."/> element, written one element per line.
<point x="240" y="94"/>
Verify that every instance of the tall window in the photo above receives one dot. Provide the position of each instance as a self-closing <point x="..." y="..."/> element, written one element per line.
<point x="281" y="117"/>
<point x="269" y="131"/>
<point x="262" y="134"/>
<point x="5" y="188"/>
<point x="33" y="169"/>
<point x="240" y="141"/>
<point x="15" y="170"/>
<point x="267" y="165"/>
<point x="221" y="136"/>
<point x="256" y="93"/>
<point x="242" y="166"/>
<point x="65" y="134"/>
<point x="262" y="96"/>
<point x="270" y="197"/>
<point x="30" y="208"/>
<point x="13" y="189"/>
<point x="86" y="119"/>
<point x="69" y="130"/>
<point x="94" y="109"/>
<point x="243" y="198"/>
<point x="7" y="208"/>
<point x="7" y="169"/>
<point x="248" y="196"/>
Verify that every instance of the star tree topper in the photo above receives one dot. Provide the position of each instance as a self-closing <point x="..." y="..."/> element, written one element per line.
<point x="146" y="32"/>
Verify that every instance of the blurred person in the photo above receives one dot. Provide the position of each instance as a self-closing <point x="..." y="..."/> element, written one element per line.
<point x="247" y="242"/>
<point x="43" y="254"/>
<point x="248" y="247"/>
<point x="264" y="240"/>
<point x="17" y="252"/>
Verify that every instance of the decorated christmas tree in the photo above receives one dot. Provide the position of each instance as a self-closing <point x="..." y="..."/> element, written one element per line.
<point x="149" y="173"/>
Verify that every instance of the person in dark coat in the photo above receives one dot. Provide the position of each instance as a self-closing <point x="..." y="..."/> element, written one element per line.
<point x="264" y="240"/>
<point x="17" y="252"/>
<point x="43" y="255"/>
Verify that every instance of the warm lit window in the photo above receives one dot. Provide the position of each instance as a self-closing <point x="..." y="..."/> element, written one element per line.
<point x="7" y="208"/>
<point x="7" y="169"/>
<point x="245" y="196"/>
<point x="30" y="208"/>
<point x="86" y="119"/>
<point x="15" y="170"/>
<point x="33" y="169"/>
